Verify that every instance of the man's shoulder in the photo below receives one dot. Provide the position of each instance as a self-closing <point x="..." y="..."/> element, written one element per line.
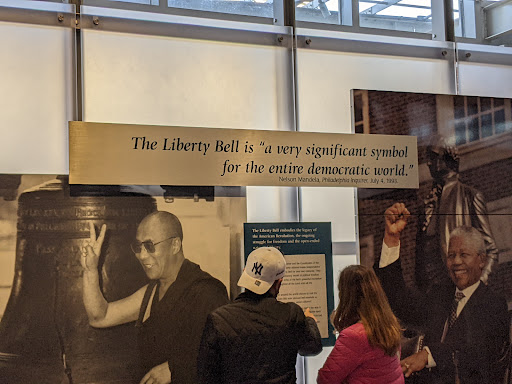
<point x="294" y="312"/>
<point x="294" y="307"/>
<point x="487" y="296"/>
<point x="263" y="305"/>
<point x="290" y="306"/>
<point x="199" y="276"/>
<point x="203" y="284"/>
<point x="225" y="310"/>
<point x="229" y="317"/>
<point x="266" y="313"/>
<point x="484" y="296"/>
<point x="458" y="186"/>
<point x="439" y="290"/>
<point x="208" y="286"/>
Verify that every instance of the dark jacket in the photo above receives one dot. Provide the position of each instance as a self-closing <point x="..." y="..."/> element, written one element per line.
<point x="173" y="330"/>
<point x="476" y="340"/>
<point x="255" y="340"/>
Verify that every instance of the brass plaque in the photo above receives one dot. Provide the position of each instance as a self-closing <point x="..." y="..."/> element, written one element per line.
<point x="156" y="155"/>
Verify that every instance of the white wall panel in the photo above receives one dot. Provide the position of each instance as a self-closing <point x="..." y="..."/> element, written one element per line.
<point x="271" y="204"/>
<point x="325" y="79"/>
<point x="340" y="210"/>
<point x="485" y="80"/>
<point x="37" y="100"/>
<point x="263" y="204"/>
<point x="185" y="82"/>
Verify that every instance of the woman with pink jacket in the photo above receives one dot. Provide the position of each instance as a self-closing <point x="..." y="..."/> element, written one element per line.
<point x="368" y="346"/>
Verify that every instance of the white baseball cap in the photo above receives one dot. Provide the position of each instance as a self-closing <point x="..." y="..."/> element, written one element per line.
<point x="264" y="266"/>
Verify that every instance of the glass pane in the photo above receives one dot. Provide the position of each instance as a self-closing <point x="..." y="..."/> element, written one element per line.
<point x="485" y="103"/>
<point x="472" y="105"/>
<point x="458" y="105"/>
<point x="473" y="131"/>
<point x="456" y="23"/>
<point x="318" y="11"/>
<point x="460" y="133"/>
<point x="363" y="6"/>
<point x="262" y="8"/>
<point x="399" y="15"/>
<point x="498" y="103"/>
<point x="486" y="125"/>
<point x="147" y="2"/>
<point x="499" y="121"/>
<point x="417" y="3"/>
<point x="411" y="12"/>
<point x="464" y="18"/>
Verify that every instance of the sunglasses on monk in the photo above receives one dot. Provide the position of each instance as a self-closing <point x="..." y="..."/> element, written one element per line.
<point x="136" y="246"/>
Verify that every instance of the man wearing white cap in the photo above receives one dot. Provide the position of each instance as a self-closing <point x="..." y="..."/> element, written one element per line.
<point x="256" y="338"/>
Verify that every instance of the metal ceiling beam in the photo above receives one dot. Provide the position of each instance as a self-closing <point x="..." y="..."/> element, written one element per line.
<point x="379" y="7"/>
<point x="498" y="18"/>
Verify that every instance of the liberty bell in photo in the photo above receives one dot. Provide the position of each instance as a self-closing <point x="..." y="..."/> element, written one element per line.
<point x="45" y="336"/>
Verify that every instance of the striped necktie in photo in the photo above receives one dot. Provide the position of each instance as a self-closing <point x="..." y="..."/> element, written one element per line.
<point x="453" y="311"/>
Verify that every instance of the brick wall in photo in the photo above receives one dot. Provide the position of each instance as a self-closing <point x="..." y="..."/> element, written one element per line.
<point x="399" y="113"/>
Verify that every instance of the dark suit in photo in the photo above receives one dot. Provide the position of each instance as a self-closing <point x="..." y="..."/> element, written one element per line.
<point x="474" y="343"/>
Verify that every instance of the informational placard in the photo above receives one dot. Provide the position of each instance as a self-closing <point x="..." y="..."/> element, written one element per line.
<point x="304" y="284"/>
<point x="159" y="155"/>
<point x="307" y="249"/>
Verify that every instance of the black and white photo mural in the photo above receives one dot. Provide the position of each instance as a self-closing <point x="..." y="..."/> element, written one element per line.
<point x="46" y="226"/>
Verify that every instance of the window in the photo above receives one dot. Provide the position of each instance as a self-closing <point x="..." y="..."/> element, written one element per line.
<point x="477" y="118"/>
<point x="464" y="18"/>
<point x="146" y="2"/>
<point x="361" y="116"/>
<point x="320" y="11"/>
<point x="407" y="17"/>
<point x="261" y="8"/>
<point x="399" y="15"/>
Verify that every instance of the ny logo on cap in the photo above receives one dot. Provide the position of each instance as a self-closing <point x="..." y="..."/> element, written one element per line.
<point x="256" y="268"/>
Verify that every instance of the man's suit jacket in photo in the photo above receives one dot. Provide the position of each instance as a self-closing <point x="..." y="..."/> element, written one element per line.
<point x="474" y="343"/>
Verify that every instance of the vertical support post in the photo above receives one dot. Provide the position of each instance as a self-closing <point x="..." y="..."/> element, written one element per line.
<point x="355" y="15"/>
<point x="479" y="23"/>
<point x="442" y="21"/>
<point x="289" y="21"/>
<point x="278" y="13"/>
<point x="448" y="21"/>
<point x="289" y="13"/>
<point x="162" y="5"/>
<point x="291" y="195"/>
<point x="346" y="7"/>
<point x="462" y="19"/>
<point x="443" y="30"/>
<point x="78" y="64"/>
<point x="468" y="18"/>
